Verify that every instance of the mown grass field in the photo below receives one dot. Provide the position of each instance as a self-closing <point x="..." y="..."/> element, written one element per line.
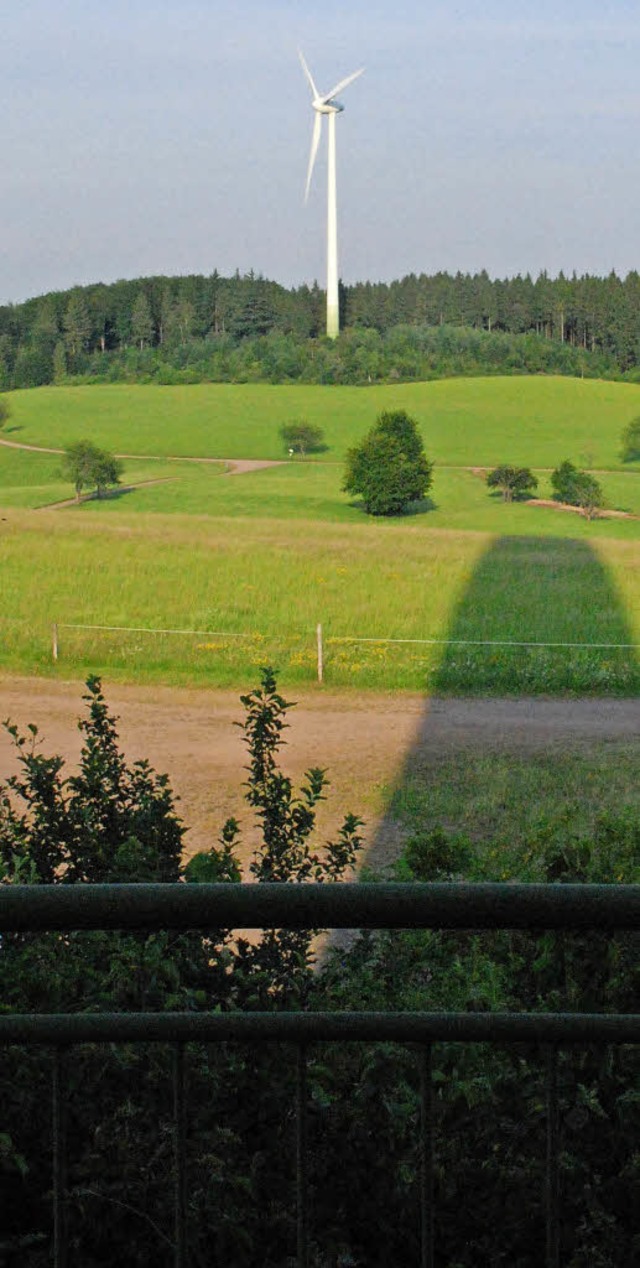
<point x="459" y="498"/>
<point x="266" y="555"/>
<point x="464" y="421"/>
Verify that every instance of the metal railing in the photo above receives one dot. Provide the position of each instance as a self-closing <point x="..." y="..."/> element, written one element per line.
<point x="153" y="908"/>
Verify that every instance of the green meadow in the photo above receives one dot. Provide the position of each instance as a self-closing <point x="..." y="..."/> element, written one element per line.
<point x="464" y="421"/>
<point x="249" y="564"/>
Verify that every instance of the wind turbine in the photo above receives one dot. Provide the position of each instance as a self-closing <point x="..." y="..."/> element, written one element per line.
<point x="326" y="104"/>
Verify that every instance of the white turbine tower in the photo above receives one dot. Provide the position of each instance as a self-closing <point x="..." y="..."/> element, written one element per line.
<point x="326" y="104"/>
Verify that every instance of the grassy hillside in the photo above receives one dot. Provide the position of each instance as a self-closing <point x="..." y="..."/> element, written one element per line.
<point x="535" y="421"/>
<point x="253" y="562"/>
<point x="459" y="499"/>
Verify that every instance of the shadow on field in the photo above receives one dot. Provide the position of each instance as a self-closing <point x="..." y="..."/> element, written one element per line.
<point x="555" y="595"/>
<point x="413" y="508"/>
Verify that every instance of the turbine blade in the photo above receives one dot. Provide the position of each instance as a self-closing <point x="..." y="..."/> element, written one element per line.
<point x="308" y="74"/>
<point x="315" y="141"/>
<point x="343" y="83"/>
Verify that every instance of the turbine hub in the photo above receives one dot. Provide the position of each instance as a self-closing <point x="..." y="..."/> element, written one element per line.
<point x="327" y="107"/>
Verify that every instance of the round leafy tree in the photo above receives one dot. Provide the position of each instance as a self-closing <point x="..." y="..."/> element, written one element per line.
<point x="389" y="469"/>
<point x="87" y="466"/>
<point x="513" y="482"/>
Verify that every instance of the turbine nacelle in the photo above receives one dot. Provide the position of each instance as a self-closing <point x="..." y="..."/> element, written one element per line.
<point x="327" y="107"/>
<point x="323" y="104"/>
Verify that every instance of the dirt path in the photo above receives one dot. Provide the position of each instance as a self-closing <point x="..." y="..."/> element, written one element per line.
<point x="238" y="466"/>
<point x="235" y="466"/>
<point x="364" y="741"/>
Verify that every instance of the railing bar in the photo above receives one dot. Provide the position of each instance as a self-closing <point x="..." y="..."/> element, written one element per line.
<point x="59" y="1116"/>
<point x="302" y="1179"/>
<point x="427" y="1187"/>
<point x="552" y="1180"/>
<point x="179" y="1154"/>
<point x="320" y="1027"/>
<point x="442" y="905"/>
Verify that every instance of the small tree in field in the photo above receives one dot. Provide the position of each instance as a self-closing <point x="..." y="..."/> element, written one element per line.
<point x="89" y="467"/>
<point x="577" y="488"/>
<point x="106" y="472"/>
<point x="589" y="495"/>
<point x="630" y="441"/>
<point x="513" y="482"/>
<point x="389" y="469"/>
<point x="302" y="437"/>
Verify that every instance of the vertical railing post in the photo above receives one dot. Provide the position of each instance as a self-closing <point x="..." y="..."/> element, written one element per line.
<point x="59" y="1115"/>
<point x="179" y="1156"/>
<point x="426" y="1158"/>
<point x="54" y="640"/>
<point x="301" y="1158"/>
<point x="320" y="652"/>
<point x="552" y="1179"/>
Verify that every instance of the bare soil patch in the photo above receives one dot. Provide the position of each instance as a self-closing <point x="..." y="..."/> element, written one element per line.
<point x="365" y="742"/>
<point x="599" y="514"/>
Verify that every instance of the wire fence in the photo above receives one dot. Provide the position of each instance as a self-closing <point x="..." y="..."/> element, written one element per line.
<point x="314" y="654"/>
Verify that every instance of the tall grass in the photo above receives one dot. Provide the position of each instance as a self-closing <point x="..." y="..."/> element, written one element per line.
<point x="261" y="580"/>
<point x="501" y="799"/>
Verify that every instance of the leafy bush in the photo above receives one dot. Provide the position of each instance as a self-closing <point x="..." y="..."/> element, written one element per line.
<point x="513" y="482"/>
<point x="437" y="855"/>
<point x="301" y="437"/>
<point x="113" y="822"/>
<point x="630" y="441"/>
<point x="577" y="488"/>
<point x="389" y="469"/>
<point x="488" y="1103"/>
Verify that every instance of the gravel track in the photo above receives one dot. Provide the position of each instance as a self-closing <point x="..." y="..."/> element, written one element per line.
<point x="365" y="741"/>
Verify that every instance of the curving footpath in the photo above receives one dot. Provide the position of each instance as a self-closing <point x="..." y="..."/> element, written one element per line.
<point x="235" y="466"/>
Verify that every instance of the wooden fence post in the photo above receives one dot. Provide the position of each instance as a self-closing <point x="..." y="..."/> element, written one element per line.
<point x="54" y="640"/>
<point x="320" y="656"/>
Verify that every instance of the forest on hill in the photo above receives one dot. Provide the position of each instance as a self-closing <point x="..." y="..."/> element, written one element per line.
<point x="249" y="329"/>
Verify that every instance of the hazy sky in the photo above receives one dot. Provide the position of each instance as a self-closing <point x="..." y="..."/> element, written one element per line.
<point x="172" y="137"/>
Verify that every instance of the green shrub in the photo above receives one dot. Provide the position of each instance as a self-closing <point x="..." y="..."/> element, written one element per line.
<point x="577" y="488"/>
<point x="437" y="855"/>
<point x="630" y="441"/>
<point x="301" y="437"/>
<point x="513" y="482"/>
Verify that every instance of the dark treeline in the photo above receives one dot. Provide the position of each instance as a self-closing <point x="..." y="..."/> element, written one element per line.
<point x="246" y="328"/>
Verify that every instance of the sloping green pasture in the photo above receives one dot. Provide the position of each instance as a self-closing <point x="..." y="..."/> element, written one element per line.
<point x="535" y="421"/>
<point x="31" y="479"/>
<point x="458" y="499"/>
<point x="266" y="555"/>
<point x="311" y="491"/>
